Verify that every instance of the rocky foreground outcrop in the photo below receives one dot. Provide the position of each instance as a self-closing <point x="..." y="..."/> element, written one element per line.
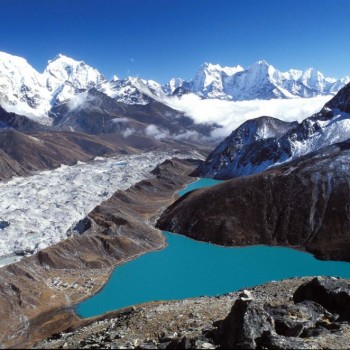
<point x="318" y="318"/>
<point x="300" y="313"/>
<point x="37" y="293"/>
<point x="303" y="204"/>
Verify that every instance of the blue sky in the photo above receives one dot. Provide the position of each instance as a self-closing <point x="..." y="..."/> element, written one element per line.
<point x="161" y="39"/>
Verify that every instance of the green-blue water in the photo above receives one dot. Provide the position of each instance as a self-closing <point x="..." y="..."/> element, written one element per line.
<point x="187" y="268"/>
<point x="199" y="184"/>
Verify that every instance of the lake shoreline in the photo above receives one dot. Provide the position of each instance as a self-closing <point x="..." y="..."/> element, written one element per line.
<point x="192" y="321"/>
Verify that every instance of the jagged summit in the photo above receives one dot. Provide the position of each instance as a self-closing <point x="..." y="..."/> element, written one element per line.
<point x="61" y="56"/>
<point x="262" y="64"/>
<point x="114" y="78"/>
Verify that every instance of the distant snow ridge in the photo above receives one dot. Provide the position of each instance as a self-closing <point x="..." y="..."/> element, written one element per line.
<point x="260" y="81"/>
<point x="133" y="90"/>
<point x="26" y="92"/>
<point x="37" y="211"/>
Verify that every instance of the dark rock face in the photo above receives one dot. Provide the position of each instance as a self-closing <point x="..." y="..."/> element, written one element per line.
<point x="249" y="149"/>
<point x="4" y="224"/>
<point x="341" y="101"/>
<point x="306" y="324"/>
<point x="260" y="143"/>
<point x="18" y="122"/>
<point x="331" y="293"/>
<point x="246" y="322"/>
<point x="181" y="90"/>
<point x="302" y="204"/>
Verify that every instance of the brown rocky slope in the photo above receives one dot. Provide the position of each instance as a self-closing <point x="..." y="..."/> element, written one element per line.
<point x="303" y="204"/>
<point x="22" y="153"/>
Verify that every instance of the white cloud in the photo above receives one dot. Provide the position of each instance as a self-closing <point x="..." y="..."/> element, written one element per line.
<point x="127" y="132"/>
<point x="231" y="114"/>
<point x="157" y="133"/>
<point x="79" y="101"/>
<point x="189" y="134"/>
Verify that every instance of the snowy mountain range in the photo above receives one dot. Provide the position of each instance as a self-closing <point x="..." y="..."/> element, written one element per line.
<point x="261" y="143"/>
<point x="27" y="92"/>
<point x="260" y="81"/>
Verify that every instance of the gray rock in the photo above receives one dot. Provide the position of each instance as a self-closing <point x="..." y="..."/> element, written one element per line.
<point x="272" y="341"/>
<point x="309" y="314"/>
<point x="183" y="343"/>
<point x="246" y="322"/>
<point x="166" y="337"/>
<point x="332" y="294"/>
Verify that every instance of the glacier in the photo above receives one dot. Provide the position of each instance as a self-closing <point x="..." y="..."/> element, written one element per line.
<point x="40" y="210"/>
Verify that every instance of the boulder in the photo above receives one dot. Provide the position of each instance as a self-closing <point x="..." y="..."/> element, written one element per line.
<point x="246" y="322"/>
<point x="331" y="293"/>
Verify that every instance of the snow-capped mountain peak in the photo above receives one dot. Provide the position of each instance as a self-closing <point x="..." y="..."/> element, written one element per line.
<point x="133" y="90"/>
<point x="114" y="78"/>
<point x="25" y="91"/>
<point x="209" y="80"/>
<point x="65" y="76"/>
<point x="258" y="65"/>
<point x="22" y="88"/>
<point x="172" y="85"/>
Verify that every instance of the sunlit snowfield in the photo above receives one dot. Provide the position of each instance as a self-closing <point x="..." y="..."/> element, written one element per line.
<point x="40" y="209"/>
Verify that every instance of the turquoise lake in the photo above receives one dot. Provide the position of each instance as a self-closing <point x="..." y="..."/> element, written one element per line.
<point x="187" y="268"/>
